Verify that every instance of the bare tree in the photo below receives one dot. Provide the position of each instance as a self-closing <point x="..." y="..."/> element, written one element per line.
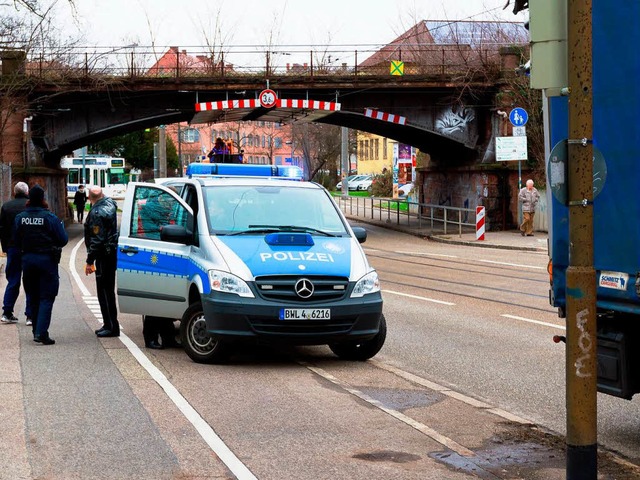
<point x="320" y="144"/>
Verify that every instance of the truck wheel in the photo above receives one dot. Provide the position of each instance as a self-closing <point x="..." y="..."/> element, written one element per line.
<point x="198" y="344"/>
<point x="364" y="350"/>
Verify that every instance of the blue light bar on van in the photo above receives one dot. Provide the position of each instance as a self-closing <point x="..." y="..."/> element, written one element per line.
<point x="286" y="172"/>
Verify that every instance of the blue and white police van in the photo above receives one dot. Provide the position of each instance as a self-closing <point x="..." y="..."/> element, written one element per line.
<point x="248" y="253"/>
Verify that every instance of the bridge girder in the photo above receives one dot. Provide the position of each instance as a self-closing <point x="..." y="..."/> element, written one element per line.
<point x="65" y="121"/>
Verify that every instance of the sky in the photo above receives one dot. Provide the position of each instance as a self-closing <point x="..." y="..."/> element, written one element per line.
<point x="187" y="23"/>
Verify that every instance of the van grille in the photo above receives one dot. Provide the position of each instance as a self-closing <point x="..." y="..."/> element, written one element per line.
<point x="282" y="288"/>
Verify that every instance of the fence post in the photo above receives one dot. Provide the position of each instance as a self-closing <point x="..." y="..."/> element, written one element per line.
<point x="460" y="223"/>
<point x="445" y="220"/>
<point x="479" y="223"/>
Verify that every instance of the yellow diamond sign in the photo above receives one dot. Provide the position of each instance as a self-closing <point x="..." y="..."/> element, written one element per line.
<point x="397" y="67"/>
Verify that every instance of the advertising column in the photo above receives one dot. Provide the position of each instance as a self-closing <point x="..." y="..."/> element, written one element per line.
<point x="403" y="167"/>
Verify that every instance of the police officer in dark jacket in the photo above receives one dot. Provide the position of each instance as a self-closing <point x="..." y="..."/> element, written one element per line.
<point x="13" y="269"/>
<point x="40" y="235"/>
<point x="101" y="240"/>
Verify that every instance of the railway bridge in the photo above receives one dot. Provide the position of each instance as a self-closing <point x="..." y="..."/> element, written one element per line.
<point x="448" y="112"/>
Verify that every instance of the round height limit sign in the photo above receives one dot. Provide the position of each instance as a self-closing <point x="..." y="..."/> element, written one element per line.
<point x="268" y="98"/>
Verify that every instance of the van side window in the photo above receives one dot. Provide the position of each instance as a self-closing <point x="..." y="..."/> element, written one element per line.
<point x="152" y="210"/>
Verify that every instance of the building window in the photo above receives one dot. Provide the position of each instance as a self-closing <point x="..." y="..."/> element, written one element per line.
<point x="190" y="135"/>
<point x="371" y="149"/>
<point x="278" y="142"/>
<point x="377" y="148"/>
<point x="384" y="148"/>
<point x="366" y="149"/>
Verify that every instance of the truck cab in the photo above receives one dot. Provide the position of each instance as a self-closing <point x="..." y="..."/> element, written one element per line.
<point x="248" y="253"/>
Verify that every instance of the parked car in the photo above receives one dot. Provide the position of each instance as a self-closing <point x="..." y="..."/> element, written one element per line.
<point x="350" y="179"/>
<point x="361" y="183"/>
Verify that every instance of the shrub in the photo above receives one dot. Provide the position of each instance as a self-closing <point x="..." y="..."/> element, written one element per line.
<point x="382" y="185"/>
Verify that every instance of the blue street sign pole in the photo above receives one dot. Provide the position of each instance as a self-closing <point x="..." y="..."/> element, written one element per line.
<point x="519" y="118"/>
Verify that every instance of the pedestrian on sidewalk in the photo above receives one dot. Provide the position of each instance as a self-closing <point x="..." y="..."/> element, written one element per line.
<point x="40" y="235"/>
<point x="101" y="240"/>
<point x="529" y="198"/>
<point x="13" y="268"/>
<point x="80" y="200"/>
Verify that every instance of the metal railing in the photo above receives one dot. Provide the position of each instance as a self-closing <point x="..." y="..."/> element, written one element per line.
<point x="134" y="61"/>
<point x="422" y="217"/>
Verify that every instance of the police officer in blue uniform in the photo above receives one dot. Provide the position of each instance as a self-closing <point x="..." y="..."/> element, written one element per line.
<point x="40" y="235"/>
<point x="101" y="240"/>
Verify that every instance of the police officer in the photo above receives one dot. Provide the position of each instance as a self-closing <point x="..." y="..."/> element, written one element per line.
<point x="13" y="269"/>
<point x="101" y="240"/>
<point x="40" y="235"/>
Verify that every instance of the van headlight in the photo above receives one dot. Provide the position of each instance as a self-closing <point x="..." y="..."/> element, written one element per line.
<point x="228" y="283"/>
<point x="367" y="284"/>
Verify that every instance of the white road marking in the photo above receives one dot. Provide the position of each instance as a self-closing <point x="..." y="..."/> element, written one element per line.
<point x="421" y="427"/>
<point x="448" y="392"/>
<point x="537" y="322"/>
<point x="417" y="297"/>
<point x="207" y="433"/>
<point x="427" y="254"/>
<point x="513" y="264"/>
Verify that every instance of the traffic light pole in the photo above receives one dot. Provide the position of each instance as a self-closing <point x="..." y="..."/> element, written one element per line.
<point x="581" y="355"/>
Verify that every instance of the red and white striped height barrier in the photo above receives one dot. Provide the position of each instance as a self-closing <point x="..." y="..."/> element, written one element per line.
<point x="479" y="223"/>
<point x="387" y="117"/>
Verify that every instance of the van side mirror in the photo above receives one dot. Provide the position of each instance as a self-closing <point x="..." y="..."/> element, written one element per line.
<point x="175" y="234"/>
<point x="360" y="233"/>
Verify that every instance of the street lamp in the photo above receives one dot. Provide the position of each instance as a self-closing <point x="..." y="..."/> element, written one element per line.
<point x="292" y="143"/>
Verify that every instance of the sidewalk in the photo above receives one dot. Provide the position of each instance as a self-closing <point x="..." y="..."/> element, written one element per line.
<point x="508" y="240"/>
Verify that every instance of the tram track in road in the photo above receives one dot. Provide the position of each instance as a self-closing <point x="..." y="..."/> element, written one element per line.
<point x="404" y="287"/>
<point x="477" y="266"/>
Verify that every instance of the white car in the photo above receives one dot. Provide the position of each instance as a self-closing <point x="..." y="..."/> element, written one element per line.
<point x="350" y="179"/>
<point x="361" y="183"/>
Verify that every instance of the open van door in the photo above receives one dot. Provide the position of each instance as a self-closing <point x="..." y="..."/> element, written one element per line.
<point x="152" y="270"/>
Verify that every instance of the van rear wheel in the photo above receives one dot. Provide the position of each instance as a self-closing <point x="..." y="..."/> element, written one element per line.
<point x="196" y="341"/>
<point x="361" y="351"/>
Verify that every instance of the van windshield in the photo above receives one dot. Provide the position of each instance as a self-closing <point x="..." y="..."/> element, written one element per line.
<point x="234" y="210"/>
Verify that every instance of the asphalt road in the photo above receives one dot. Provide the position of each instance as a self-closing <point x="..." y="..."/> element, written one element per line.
<point x="468" y="385"/>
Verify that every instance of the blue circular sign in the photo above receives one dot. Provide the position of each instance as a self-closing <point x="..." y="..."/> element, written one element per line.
<point x="518" y="117"/>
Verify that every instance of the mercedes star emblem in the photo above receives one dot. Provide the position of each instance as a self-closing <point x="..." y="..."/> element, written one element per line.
<point x="304" y="288"/>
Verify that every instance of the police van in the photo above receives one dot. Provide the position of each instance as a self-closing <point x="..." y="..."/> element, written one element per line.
<point x="248" y="253"/>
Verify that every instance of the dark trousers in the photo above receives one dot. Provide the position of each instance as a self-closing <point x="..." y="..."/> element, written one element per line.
<point x="13" y="271"/>
<point x="152" y="327"/>
<point x="106" y="287"/>
<point x="80" y="209"/>
<point x="41" y="282"/>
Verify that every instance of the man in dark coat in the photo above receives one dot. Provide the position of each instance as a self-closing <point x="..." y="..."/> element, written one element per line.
<point x="101" y="240"/>
<point x="80" y="200"/>
<point x="13" y="268"/>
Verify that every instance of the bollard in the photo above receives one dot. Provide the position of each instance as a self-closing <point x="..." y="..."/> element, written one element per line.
<point x="479" y="223"/>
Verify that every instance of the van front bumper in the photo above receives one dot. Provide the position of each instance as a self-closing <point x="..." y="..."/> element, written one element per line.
<point x="235" y="319"/>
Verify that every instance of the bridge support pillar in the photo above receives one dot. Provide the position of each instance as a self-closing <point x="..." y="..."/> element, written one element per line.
<point x="22" y="160"/>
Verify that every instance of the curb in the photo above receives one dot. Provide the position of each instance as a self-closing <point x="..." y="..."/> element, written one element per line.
<point x="437" y="238"/>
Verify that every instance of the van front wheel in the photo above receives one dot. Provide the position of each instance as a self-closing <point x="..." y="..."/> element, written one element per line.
<point x="197" y="342"/>
<point x="362" y="350"/>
